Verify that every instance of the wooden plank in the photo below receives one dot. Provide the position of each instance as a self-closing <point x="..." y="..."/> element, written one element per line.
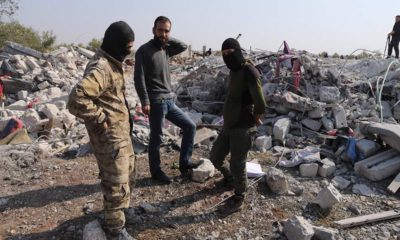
<point x="395" y="185"/>
<point x="356" y="221"/>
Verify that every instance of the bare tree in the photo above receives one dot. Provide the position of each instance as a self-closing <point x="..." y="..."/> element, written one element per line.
<point x="7" y="9"/>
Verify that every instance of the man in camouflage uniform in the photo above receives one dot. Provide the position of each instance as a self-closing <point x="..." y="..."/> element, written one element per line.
<point x="243" y="108"/>
<point x="99" y="99"/>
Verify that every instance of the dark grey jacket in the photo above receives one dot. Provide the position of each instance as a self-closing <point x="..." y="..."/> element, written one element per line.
<point x="152" y="73"/>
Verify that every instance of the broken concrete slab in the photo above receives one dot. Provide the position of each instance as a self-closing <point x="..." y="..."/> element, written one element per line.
<point x="50" y="110"/>
<point x="327" y="123"/>
<point x="22" y="95"/>
<point x="379" y="166"/>
<point x="390" y="133"/>
<point x="308" y="169"/>
<point x="340" y="117"/>
<point x="298" y="228"/>
<point x="394" y="185"/>
<point x="316" y="113"/>
<point x="14" y="85"/>
<point x="363" y="189"/>
<point x="85" y="52"/>
<point x="328" y="197"/>
<point x="281" y="128"/>
<point x="19" y="105"/>
<point x="15" y="48"/>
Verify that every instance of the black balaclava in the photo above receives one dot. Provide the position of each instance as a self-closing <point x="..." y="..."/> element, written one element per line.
<point x="116" y="37"/>
<point x="234" y="60"/>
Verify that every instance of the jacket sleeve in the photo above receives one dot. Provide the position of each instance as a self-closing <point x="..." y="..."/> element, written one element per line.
<point x="175" y="47"/>
<point x="139" y="78"/>
<point x="82" y="98"/>
<point x="255" y="89"/>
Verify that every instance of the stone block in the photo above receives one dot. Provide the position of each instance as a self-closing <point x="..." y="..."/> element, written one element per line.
<point x="43" y="85"/>
<point x="308" y="169"/>
<point x="316" y="113"/>
<point x="328" y="197"/>
<point x="379" y="166"/>
<point x="323" y="233"/>
<point x="298" y="228"/>
<point x="311" y="124"/>
<point x="93" y="231"/>
<point x="22" y="95"/>
<point x="327" y="123"/>
<point x="281" y="128"/>
<point x="19" y="105"/>
<point x="340" y="117"/>
<point x="263" y="143"/>
<point x="327" y="168"/>
<point x="50" y="110"/>
<point x="367" y="147"/>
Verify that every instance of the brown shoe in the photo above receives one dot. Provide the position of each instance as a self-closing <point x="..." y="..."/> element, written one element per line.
<point x="232" y="205"/>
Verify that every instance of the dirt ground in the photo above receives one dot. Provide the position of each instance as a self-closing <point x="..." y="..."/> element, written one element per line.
<point x="54" y="198"/>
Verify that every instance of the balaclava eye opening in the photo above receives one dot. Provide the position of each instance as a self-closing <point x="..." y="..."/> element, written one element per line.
<point x="116" y="38"/>
<point x="234" y="60"/>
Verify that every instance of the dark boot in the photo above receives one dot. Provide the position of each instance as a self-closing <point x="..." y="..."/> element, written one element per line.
<point x="161" y="177"/>
<point x="232" y="205"/>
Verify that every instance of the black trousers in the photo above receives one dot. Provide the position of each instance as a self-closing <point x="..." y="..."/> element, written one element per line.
<point x="394" y="44"/>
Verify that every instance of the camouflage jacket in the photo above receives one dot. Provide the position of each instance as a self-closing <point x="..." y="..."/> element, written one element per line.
<point x="101" y="94"/>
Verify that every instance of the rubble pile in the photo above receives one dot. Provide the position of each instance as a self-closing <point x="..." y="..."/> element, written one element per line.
<point x="338" y="124"/>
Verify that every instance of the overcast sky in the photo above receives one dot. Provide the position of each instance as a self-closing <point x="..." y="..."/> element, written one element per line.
<point x="314" y="25"/>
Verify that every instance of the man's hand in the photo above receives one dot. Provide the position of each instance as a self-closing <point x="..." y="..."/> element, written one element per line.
<point x="102" y="128"/>
<point x="146" y="109"/>
<point x="257" y="118"/>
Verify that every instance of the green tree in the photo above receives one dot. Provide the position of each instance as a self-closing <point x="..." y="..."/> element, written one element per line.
<point x="7" y="9"/>
<point x="335" y="55"/>
<point x="94" y="44"/>
<point x="16" y="32"/>
<point x="48" y="39"/>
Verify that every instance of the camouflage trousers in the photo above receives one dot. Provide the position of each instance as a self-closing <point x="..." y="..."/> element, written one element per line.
<point x="117" y="174"/>
<point x="237" y="142"/>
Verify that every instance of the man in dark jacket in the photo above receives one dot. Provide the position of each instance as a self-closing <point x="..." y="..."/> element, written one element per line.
<point x="153" y="85"/>
<point x="243" y="108"/>
<point x="395" y="34"/>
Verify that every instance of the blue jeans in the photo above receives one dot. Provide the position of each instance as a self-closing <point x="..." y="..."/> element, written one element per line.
<point x="159" y="110"/>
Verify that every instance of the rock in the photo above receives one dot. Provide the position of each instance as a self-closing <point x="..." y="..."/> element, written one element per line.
<point x="263" y="143"/>
<point x="68" y="119"/>
<point x="22" y="95"/>
<point x="386" y="110"/>
<point x="323" y="233"/>
<point x="316" y="113"/>
<point x="329" y="94"/>
<point x="281" y="128"/>
<point x="327" y="168"/>
<point x="308" y="169"/>
<point x="340" y="182"/>
<point x="93" y="231"/>
<point x="148" y="208"/>
<point x="277" y="181"/>
<point x="31" y="62"/>
<point x="311" y="124"/>
<point x="328" y="197"/>
<point x="204" y="171"/>
<point x="297" y="228"/>
<point x="3" y="201"/>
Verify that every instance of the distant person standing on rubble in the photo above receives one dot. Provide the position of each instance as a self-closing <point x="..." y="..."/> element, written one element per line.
<point x="153" y="85"/>
<point x="395" y="34"/>
<point x="99" y="99"/>
<point x="243" y="108"/>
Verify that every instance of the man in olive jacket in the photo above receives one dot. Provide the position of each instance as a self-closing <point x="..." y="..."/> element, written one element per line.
<point x="99" y="99"/>
<point x="243" y="108"/>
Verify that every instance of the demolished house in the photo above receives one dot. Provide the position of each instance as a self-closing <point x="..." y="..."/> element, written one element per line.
<point x="324" y="114"/>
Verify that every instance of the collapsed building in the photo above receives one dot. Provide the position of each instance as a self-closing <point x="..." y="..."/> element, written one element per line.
<point x="324" y="114"/>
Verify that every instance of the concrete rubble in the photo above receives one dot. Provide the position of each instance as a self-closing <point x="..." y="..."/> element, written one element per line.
<point x="336" y="125"/>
